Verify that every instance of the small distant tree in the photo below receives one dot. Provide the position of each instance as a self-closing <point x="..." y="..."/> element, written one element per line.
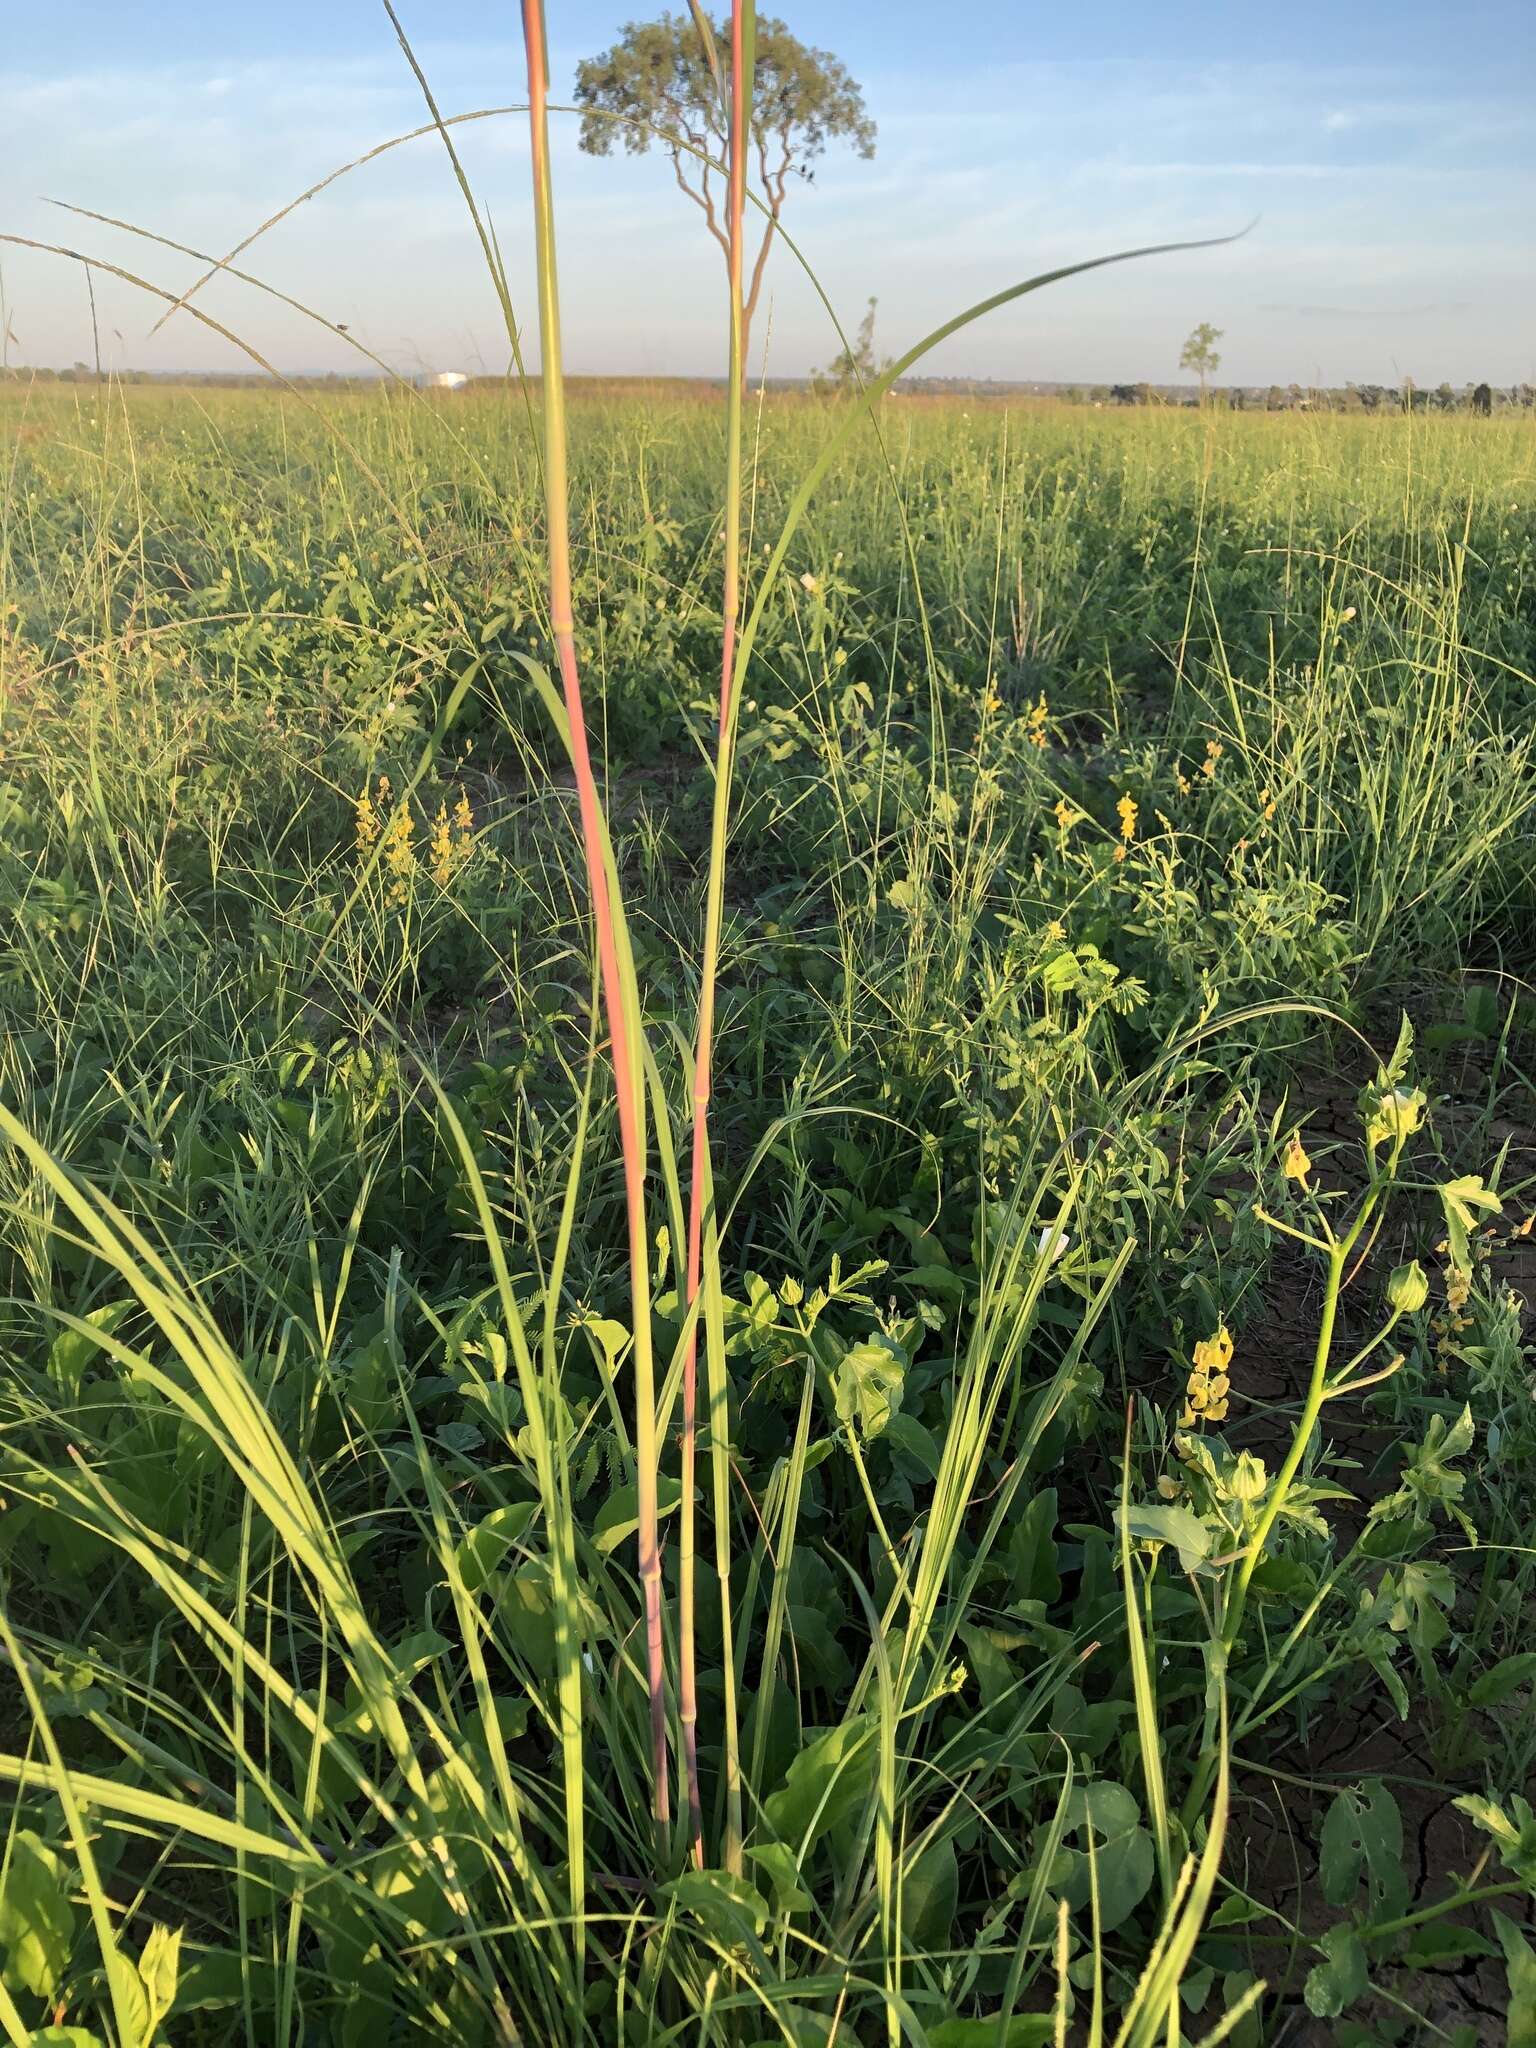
<point x="1482" y="400"/>
<point x="1200" y="354"/>
<point x="656" y="85"/>
<point x="853" y="366"/>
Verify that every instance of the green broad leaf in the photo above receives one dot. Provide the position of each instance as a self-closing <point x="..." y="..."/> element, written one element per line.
<point x="868" y="1383"/>
<point x="908" y="1437"/>
<point x="1363" y="1838"/>
<point x="729" y="1909"/>
<point x="214" y="1978"/>
<point x="63" y="2037"/>
<point x="829" y="1780"/>
<point x="609" y="1340"/>
<point x="1176" y="1527"/>
<point x="1481" y="1007"/>
<point x="619" y="1516"/>
<point x="1341" y="1978"/>
<point x="783" y="1874"/>
<point x="1032" y="1556"/>
<point x="1236" y="1911"/>
<point x="37" y="1921"/>
<point x="481" y="1553"/>
<point x="939" y="1280"/>
<point x="460" y="1439"/>
<point x="1504" y="1679"/>
<point x="1195" y="1988"/>
<point x="930" y="1893"/>
<point x="1019" y="2030"/>
<point x="1520" y="1968"/>
<point x="72" y="1350"/>
<point x="1443" y="1944"/>
<point x="1123" y="1860"/>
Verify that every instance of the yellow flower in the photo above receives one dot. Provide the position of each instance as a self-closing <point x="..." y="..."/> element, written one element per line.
<point x="1126" y="812"/>
<point x="464" y="824"/>
<point x="1056" y="930"/>
<point x="1185" y="785"/>
<point x="367" y="822"/>
<point x="1296" y="1165"/>
<point x="1213" y="753"/>
<point x="1066" y="815"/>
<point x="1205" y="1394"/>
<point x="398" y="853"/>
<point x="442" y="848"/>
<point x="1397" y="1116"/>
<point x="1038" y="714"/>
<point x="1215" y="1353"/>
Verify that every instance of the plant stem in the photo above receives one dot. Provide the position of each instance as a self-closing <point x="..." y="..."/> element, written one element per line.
<point x="1306" y="1422"/>
<point x="622" y="1015"/>
<point x="701" y="1168"/>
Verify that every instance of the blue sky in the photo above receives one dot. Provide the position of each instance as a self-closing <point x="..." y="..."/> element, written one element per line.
<point x="1388" y="150"/>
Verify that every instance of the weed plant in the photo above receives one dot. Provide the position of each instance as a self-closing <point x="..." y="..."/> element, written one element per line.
<point x="716" y="1327"/>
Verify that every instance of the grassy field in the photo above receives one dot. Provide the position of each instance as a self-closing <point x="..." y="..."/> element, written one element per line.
<point x="1098" y="1590"/>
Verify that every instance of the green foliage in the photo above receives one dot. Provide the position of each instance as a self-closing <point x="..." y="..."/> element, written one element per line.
<point x="309" y="1506"/>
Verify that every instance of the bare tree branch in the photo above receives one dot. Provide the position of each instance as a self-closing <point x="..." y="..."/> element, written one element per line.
<point x="702" y="200"/>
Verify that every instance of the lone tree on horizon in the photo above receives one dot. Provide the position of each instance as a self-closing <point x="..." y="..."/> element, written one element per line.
<point x="656" y="85"/>
<point x="1200" y="354"/>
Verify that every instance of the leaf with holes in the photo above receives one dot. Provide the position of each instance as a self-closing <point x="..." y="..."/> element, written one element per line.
<point x="1341" y="1979"/>
<point x="1363" y="1837"/>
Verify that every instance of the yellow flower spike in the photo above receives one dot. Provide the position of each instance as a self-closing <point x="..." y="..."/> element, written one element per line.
<point x="1296" y="1165"/>
<point x="399" y="855"/>
<point x="464" y="823"/>
<point x="1214" y="1354"/>
<point x="442" y="848"/>
<point x="1126" y="811"/>
<point x="367" y="822"/>
<point x="1038" y="714"/>
<point x="1066" y="815"/>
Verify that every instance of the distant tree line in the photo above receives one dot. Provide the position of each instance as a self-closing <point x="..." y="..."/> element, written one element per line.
<point x="1481" y="398"/>
<point x="250" y="380"/>
<point x="857" y="364"/>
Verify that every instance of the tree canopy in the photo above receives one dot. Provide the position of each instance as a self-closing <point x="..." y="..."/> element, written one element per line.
<point x="658" y="86"/>
<point x="1200" y="353"/>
